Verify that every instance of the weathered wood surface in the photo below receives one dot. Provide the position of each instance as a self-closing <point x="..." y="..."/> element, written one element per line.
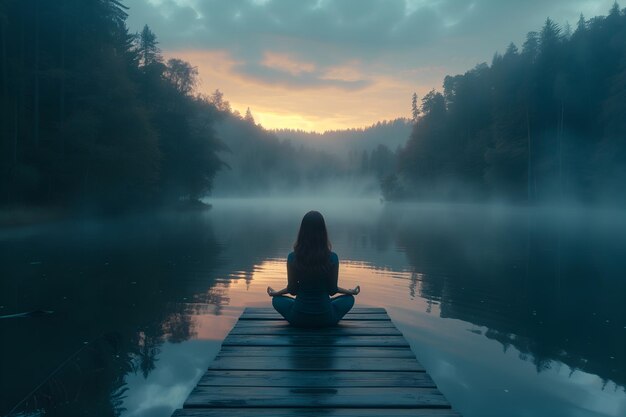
<point x="356" y="310"/>
<point x="322" y="378"/>
<point x="282" y="324"/>
<point x="314" y="340"/>
<point x="303" y="363"/>
<point x="333" y="331"/>
<point x="318" y="351"/>
<point x="314" y="412"/>
<point x="363" y="367"/>
<point x="360" y="314"/>
<point x="313" y="397"/>
<point x="348" y="317"/>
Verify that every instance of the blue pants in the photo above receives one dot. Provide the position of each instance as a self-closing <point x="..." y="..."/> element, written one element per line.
<point x="339" y="307"/>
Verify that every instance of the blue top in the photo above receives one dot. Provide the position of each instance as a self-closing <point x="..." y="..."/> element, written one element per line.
<point x="312" y="286"/>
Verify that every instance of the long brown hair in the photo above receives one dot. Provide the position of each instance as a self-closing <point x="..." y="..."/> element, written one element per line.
<point x="312" y="248"/>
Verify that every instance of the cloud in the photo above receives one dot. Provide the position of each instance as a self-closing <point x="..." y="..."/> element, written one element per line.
<point x="304" y="80"/>
<point x="308" y="108"/>
<point x="286" y="63"/>
<point x="347" y="46"/>
<point x="357" y="28"/>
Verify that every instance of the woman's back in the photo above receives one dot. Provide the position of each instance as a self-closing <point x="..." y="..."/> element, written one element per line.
<point x="312" y="285"/>
<point x="312" y="273"/>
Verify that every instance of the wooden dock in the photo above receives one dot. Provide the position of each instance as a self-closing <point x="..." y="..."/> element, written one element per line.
<point x="363" y="367"/>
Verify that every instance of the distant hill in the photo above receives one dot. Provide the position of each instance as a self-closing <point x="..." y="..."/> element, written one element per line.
<point x="286" y="162"/>
<point x="391" y="133"/>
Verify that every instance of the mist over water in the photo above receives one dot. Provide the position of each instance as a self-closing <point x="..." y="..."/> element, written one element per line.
<point x="512" y="310"/>
<point x="141" y="211"/>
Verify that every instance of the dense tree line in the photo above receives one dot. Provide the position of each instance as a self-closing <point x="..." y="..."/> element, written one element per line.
<point x="391" y="133"/>
<point x="542" y="124"/>
<point x="355" y="159"/>
<point x="378" y="163"/>
<point x="92" y="115"/>
<point x="259" y="163"/>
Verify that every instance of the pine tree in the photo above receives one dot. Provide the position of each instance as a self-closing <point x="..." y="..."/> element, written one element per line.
<point x="149" y="52"/>
<point x="511" y="50"/>
<point x="531" y="45"/>
<point x="550" y="35"/>
<point x="567" y="31"/>
<point x="415" y="111"/>
<point x="248" y="117"/>
<point x="217" y="99"/>
<point x="581" y="26"/>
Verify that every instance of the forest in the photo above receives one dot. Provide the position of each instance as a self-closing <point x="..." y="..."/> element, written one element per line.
<point x="390" y="133"/>
<point x="544" y="124"/>
<point x="94" y="116"/>
<point x="141" y="211"/>
<point x="283" y="162"/>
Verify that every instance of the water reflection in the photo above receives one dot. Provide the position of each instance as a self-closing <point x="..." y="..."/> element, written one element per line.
<point x="551" y="286"/>
<point x="117" y="290"/>
<point x="503" y="306"/>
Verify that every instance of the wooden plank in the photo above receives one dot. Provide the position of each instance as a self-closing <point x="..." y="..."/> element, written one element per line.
<point x="330" y="331"/>
<point x="302" y="363"/>
<point x="361" y="310"/>
<point x="315" y="412"/>
<point x="318" y="351"/>
<point x="354" y="316"/>
<point x="312" y="397"/>
<point x="248" y="378"/>
<point x="362" y="367"/>
<point x="313" y="340"/>
<point x="275" y="324"/>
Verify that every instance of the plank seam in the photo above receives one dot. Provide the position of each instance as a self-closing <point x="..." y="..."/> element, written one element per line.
<point x="314" y="407"/>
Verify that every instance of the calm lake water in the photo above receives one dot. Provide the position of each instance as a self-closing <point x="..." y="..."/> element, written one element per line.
<point x="512" y="311"/>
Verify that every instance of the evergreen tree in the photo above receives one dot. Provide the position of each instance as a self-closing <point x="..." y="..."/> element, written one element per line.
<point x="217" y="99"/>
<point x="542" y="125"/>
<point x="90" y="113"/>
<point x="581" y="26"/>
<point x="511" y="50"/>
<point x="550" y="36"/>
<point x="415" y="111"/>
<point x="149" y="52"/>
<point x="248" y="117"/>
<point x="531" y="46"/>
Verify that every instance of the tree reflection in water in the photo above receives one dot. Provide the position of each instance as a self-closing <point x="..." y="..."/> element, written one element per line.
<point x="119" y="290"/>
<point x="549" y="283"/>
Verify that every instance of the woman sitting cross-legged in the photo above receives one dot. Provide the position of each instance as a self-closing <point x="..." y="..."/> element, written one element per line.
<point x="312" y="271"/>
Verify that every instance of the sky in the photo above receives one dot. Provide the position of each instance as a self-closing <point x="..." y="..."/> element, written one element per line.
<point x="319" y="65"/>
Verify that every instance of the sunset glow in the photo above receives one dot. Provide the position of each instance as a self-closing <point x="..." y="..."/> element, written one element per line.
<point x="322" y="65"/>
<point x="312" y="109"/>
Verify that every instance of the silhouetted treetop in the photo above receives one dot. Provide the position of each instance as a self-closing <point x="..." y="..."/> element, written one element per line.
<point x="96" y="117"/>
<point x="543" y="125"/>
